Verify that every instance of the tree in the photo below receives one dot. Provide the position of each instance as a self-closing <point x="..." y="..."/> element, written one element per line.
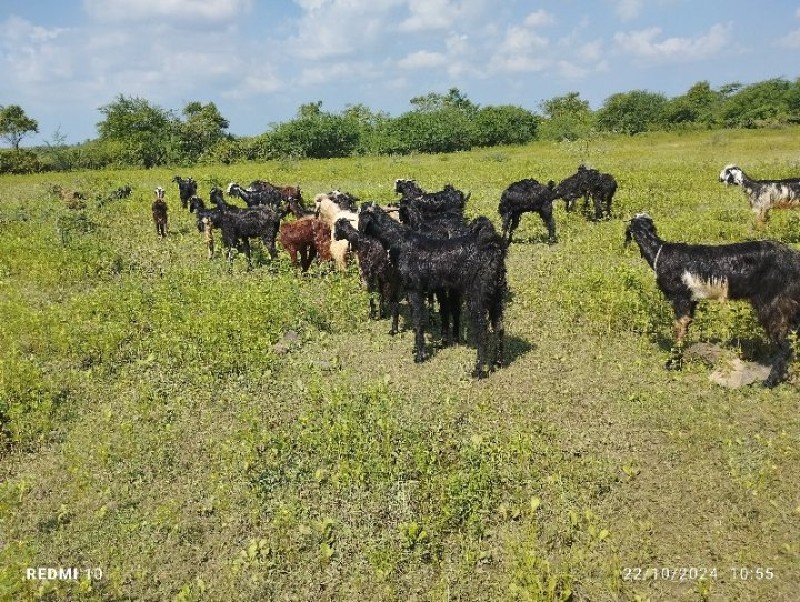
<point x="759" y="103"/>
<point x="204" y="128"/>
<point x="699" y="105"/>
<point x="433" y="101"/>
<point x="567" y="117"/>
<point x="505" y="125"/>
<point x="15" y="125"/>
<point x="145" y="130"/>
<point x="632" y="112"/>
<point x="315" y="134"/>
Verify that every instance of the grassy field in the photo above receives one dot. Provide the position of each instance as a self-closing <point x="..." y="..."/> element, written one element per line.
<point x="151" y="432"/>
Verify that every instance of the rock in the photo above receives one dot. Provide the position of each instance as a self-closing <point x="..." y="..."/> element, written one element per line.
<point x="280" y="348"/>
<point x="705" y="352"/>
<point x="738" y="373"/>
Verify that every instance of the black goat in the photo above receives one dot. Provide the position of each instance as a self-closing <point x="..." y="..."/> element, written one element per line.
<point x="266" y="196"/>
<point x="216" y="197"/>
<point x="187" y="189"/>
<point x="765" y="273"/>
<point x="764" y="195"/>
<point x="588" y="183"/>
<point x="473" y="265"/>
<point x="527" y="196"/>
<point x="408" y="188"/>
<point x="238" y="227"/>
<point x="378" y="273"/>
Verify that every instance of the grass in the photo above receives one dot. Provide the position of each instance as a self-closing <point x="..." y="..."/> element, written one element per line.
<point x="150" y="429"/>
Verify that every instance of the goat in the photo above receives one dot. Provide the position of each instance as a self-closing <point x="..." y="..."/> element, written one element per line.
<point x="329" y="211"/>
<point x="765" y="273"/>
<point x="186" y="188"/>
<point x="207" y="220"/>
<point x="764" y="195"/>
<point x="295" y="207"/>
<point x="527" y="196"/>
<point x="73" y="199"/>
<point x="159" y="210"/>
<point x="377" y="272"/>
<point x="308" y="237"/>
<point x="588" y="183"/>
<point x="216" y="197"/>
<point x="238" y="227"/>
<point x="472" y="265"/>
<point x="267" y="196"/>
<point x="408" y="188"/>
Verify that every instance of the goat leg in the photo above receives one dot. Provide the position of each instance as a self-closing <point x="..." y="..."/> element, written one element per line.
<point x="418" y="320"/>
<point x="496" y="319"/>
<point x="675" y="362"/>
<point x="478" y="322"/>
<point x="779" y="364"/>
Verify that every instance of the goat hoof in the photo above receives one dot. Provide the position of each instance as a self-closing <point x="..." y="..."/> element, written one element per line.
<point x="771" y="382"/>
<point x="393" y="331"/>
<point x="418" y="359"/>
<point x="478" y="373"/>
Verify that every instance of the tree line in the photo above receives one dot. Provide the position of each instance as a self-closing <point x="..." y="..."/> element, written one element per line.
<point x="136" y="133"/>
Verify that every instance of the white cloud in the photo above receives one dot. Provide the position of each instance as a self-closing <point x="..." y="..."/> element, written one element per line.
<point x="521" y="50"/>
<point x="33" y="54"/>
<point x="335" y="28"/>
<point x="790" y="40"/>
<point x="189" y="10"/>
<point x="627" y="10"/>
<point x="422" y="59"/>
<point x="590" y="51"/>
<point x="644" y="44"/>
<point x="429" y="14"/>
<point x="539" y="19"/>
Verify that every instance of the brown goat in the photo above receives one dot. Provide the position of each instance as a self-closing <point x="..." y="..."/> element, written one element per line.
<point x="308" y="237"/>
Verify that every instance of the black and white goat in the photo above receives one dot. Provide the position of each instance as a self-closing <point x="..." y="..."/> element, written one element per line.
<point x="473" y="265"/>
<point x="527" y="196"/>
<point x="186" y="188"/>
<point x="765" y="273"/>
<point x="764" y="195"/>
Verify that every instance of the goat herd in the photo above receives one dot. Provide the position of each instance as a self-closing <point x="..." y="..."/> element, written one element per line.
<point x="422" y="247"/>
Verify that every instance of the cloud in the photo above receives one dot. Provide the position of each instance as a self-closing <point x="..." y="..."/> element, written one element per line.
<point x="644" y="44"/>
<point x="790" y="40"/>
<point x="429" y="14"/>
<point x="188" y="10"/>
<point x="628" y="10"/>
<point x="422" y="59"/>
<point x="521" y="50"/>
<point x="336" y="28"/>
<point x="539" y="19"/>
<point x="33" y="54"/>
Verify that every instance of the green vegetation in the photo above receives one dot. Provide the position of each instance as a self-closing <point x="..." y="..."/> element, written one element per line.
<point x="150" y="428"/>
<point x="134" y="133"/>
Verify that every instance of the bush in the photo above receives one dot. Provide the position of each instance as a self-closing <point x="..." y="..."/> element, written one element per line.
<point x="19" y="161"/>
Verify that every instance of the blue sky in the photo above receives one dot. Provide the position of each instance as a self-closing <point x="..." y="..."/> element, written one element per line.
<point x="258" y="60"/>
